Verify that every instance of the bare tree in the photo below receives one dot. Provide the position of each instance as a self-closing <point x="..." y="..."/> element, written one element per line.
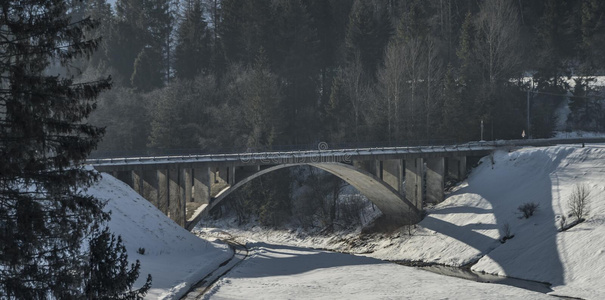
<point x="434" y="74"/>
<point x="392" y="82"/>
<point x="498" y="38"/>
<point x="355" y="90"/>
<point x="579" y="201"/>
<point x="497" y="49"/>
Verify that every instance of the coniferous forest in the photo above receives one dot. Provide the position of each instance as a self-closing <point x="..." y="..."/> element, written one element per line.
<point x="229" y="75"/>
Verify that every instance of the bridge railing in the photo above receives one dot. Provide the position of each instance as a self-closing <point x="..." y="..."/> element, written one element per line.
<point x="309" y="149"/>
<point x="274" y="148"/>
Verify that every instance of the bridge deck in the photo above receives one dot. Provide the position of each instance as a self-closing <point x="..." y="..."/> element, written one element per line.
<point x="333" y="155"/>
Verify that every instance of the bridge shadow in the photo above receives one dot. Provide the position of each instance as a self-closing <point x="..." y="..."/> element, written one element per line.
<point x="505" y="187"/>
<point x="287" y="260"/>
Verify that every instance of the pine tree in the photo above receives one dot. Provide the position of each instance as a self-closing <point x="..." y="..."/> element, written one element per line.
<point x="192" y="55"/>
<point x="367" y="36"/>
<point x="140" y="43"/>
<point x="44" y="215"/>
<point x="147" y="73"/>
<point x="128" y="37"/>
<point x="296" y="53"/>
<point x="244" y="29"/>
<point x="107" y="275"/>
<point x="262" y="104"/>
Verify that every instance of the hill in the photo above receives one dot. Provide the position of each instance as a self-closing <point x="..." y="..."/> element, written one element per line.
<point x="174" y="257"/>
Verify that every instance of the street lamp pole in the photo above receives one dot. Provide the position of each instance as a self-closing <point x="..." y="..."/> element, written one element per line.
<point x="528" y="125"/>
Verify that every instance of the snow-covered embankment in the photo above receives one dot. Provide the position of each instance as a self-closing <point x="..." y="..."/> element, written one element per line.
<point x="174" y="257"/>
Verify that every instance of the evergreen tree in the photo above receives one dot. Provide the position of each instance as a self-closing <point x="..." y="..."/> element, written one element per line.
<point x="192" y="55"/>
<point x="368" y="33"/>
<point x="147" y="73"/>
<point x="44" y="215"/>
<point x="467" y="83"/>
<point x="453" y="114"/>
<point x="127" y="39"/>
<point x="245" y="28"/>
<point x="107" y="275"/>
<point x="554" y="45"/>
<point x="261" y="104"/>
<point x="296" y="53"/>
<point x="140" y="43"/>
<point x="592" y="28"/>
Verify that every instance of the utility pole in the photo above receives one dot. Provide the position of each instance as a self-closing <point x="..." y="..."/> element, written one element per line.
<point x="528" y="124"/>
<point x="482" y="130"/>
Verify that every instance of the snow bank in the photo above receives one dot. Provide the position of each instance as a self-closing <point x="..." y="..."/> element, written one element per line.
<point x="467" y="225"/>
<point x="174" y="257"/>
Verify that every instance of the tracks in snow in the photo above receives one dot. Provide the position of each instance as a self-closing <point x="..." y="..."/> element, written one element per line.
<point x="240" y="253"/>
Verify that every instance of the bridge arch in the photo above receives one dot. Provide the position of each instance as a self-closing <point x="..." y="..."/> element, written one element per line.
<point x="391" y="203"/>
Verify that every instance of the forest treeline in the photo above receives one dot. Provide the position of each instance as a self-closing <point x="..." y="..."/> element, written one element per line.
<point x="232" y="74"/>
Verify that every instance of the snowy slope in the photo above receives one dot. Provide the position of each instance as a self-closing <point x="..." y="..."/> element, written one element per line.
<point x="174" y="257"/>
<point x="284" y="272"/>
<point x="466" y="227"/>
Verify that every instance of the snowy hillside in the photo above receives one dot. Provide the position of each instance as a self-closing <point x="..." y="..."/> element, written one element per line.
<point x="174" y="257"/>
<point x="466" y="227"/>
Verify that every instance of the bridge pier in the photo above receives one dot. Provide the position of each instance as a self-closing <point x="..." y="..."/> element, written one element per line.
<point x="124" y="176"/>
<point x="176" y="198"/>
<point x="370" y="166"/>
<point x="435" y="168"/>
<point x="414" y="181"/>
<point x="392" y="173"/>
<point x="163" y="190"/>
<point x="146" y="184"/>
<point x="220" y="179"/>
<point x="456" y="167"/>
<point x="201" y="185"/>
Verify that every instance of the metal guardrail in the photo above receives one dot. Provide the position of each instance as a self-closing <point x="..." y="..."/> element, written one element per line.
<point x="319" y="153"/>
<point x="275" y="148"/>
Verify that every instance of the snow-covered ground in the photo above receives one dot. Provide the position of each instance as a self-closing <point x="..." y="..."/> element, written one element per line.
<point x="174" y="257"/>
<point x="285" y="272"/>
<point x="467" y="226"/>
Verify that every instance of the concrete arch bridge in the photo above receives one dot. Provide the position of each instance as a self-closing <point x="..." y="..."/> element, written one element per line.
<point x="398" y="180"/>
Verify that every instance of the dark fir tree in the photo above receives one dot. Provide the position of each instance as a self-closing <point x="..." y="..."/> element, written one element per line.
<point x="367" y="36"/>
<point x="296" y="54"/>
<point x="127" y="38"/>
<point x="107" y="275"/>
<point x="244" y="29"/>
<point x="44" y="215"/>
<point x="192" y="54"/>
<point x="139" y="44"/>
